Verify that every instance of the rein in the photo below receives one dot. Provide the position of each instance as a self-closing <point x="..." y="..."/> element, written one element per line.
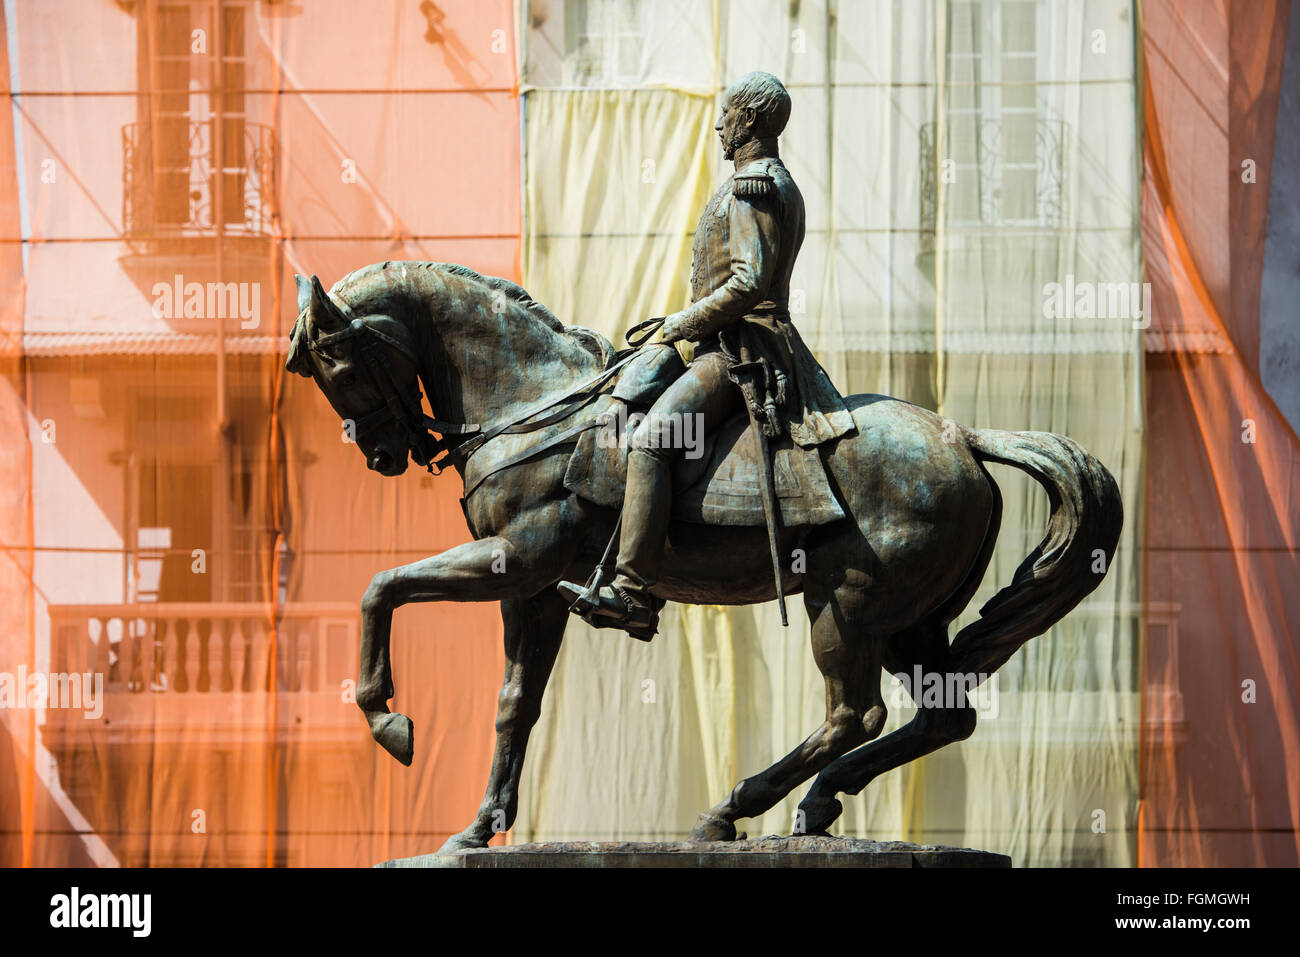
<point x="583" y="393"/>
<point x="460" y="440"/>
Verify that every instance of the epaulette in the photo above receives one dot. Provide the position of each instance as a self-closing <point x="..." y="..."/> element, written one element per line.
<point x="755" y="181"/>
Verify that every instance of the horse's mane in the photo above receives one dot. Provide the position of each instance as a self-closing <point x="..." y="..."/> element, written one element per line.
<point x="507" y="288"/>
<point x="594" y="343"/>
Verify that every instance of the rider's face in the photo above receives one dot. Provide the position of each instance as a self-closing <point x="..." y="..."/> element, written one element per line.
<point x="734" y="127"/>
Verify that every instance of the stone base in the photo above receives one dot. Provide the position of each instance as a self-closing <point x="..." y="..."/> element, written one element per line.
<point x="774" y="851"/>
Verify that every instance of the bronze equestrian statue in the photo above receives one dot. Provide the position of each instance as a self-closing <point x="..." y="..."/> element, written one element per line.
<point x="887" y="513"/>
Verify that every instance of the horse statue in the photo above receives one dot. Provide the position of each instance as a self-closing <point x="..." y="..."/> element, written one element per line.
<point x="514" y="392"/>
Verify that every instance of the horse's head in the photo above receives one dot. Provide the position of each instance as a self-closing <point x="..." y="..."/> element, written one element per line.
<point x="368" y="368"/>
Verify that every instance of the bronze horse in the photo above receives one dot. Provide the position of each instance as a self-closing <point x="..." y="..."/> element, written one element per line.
<point x="881" y="586"/>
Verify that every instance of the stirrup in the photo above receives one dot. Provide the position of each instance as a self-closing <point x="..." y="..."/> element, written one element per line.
<point x="585" y="603"/>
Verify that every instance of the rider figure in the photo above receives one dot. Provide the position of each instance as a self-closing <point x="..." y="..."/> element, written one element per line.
<point x="745" y="249"/>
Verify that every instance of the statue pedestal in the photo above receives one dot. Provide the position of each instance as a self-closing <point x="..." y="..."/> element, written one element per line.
<point x="767" y="852"/>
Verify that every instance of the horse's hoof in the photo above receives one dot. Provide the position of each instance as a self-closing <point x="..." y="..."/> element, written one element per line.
<point x="397" y="735"/>
<point x="710" y="827"/>
<point x="464" y="841"/>
<point x="819" y="814"/>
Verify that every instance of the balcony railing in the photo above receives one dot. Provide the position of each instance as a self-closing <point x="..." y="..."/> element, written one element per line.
<point x="215" y="674"/>
<point x="169" y="190"/>
<point x="201" y="648"/>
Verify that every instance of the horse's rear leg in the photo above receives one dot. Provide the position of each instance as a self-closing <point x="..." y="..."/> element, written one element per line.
<point x="534" y="628"/>
<point x="931" y="729"/>
<point x="849" y="658"/>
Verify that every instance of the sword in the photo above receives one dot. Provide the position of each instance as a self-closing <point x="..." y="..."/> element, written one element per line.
<point x="742" y="374"/>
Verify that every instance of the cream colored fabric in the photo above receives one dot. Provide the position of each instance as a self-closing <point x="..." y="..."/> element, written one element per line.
<point x="931" y="287"/>
<point x="613" y="185"/>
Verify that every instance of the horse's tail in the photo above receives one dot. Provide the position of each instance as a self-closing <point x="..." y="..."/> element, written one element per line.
<point x="1068" y="563"/>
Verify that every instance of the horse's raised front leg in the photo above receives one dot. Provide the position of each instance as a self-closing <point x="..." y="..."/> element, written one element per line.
<point x="533" y="630"/>
<point x="490" y="569"/>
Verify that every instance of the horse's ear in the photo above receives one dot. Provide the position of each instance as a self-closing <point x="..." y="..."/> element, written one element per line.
<point x="324" y="314"/>
<point x="304" y="292"/>
<point x="298" y="361"/>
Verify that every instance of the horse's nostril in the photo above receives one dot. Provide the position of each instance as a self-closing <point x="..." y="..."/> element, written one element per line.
<point x="380" y="461"/>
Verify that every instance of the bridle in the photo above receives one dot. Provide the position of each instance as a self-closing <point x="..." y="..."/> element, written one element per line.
<point x="457" y="440"/>
<point x="368" y="345"/>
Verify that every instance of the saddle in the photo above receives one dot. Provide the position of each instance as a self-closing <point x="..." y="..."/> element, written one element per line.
<point x="728" y="491"/>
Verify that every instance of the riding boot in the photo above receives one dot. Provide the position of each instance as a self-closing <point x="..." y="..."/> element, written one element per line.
<point x="626" y="602"/>
<point x="646" y="512"/>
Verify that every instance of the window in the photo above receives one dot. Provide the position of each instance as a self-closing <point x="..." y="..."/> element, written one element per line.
<point x="193" y="148"/>
<point x="603" y="41"/>
<point x="184" y="494"/>
<point x="996" y="155"/>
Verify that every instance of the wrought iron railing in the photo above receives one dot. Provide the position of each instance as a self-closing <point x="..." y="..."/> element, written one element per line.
<point x="169" y="192"/>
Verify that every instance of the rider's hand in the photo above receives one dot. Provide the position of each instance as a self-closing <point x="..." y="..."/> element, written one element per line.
<point x="672" y="328"/>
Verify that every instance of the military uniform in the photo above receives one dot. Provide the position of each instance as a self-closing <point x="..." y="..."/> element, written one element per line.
<point x="745" y="249"/>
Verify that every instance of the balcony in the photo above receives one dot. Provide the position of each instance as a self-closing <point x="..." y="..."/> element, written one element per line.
<point x="170" y="193"/>
<point x="170" y="215"/>
<point x="227" y="668"/>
